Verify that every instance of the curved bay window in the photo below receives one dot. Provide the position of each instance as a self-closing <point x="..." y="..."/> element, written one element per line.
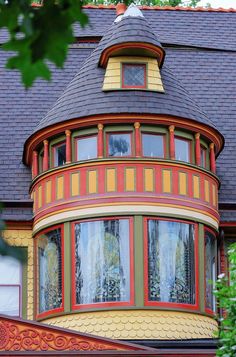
<point x="210" y="270"/>
<point x="49" y="254"/>
<point x="102" y="262"/>
<point x="170" y="271"/>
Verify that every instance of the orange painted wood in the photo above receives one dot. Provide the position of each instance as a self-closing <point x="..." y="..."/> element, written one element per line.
<point x="212" y="158"/>
<point x="100" y="140"/>
<point x="45" y="156"/>
<point x="172" y="141"/>
<point x="35" y="164"/>
<point x="197" y="149"/>
<point x="137" y="139"/>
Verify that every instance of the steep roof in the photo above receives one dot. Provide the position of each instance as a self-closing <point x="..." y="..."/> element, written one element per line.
<point x="84" y="96"/>
<point x="200" y="50"/>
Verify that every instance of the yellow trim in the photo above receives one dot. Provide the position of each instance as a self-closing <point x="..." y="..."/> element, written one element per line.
<point x="148" y="180"/>
<point x="129" y="179"/>
<point x="196" y="186"/>
<point x="207" y="190"/>
<point x="40" y="196"/>
<point x="214" y="193"/>
<point x="182" y="183"/>
<point x="166" y="181"/>
<point x="60" y="187"/>
<point x="92" y="181"/>
<point x="48" y="193"/>
<point x="110" y="180"/>
<point x="75" y="184"/>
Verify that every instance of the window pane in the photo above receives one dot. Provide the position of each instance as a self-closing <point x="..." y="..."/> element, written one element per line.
<point x="182" y="150"/>
<point x="49" y="276"/>
<point x="119" y="145"/>
<point x="133" y="75"/>
<point x="102" y="261"/>
<point x="203" y="157"/>
<point x="10" y="300"/>
<point x="171" y="272"/>
<point x="153" y="145"/>
<point x="87" y="148"/>
<point x="10" y="271"/>
<point x="210" y="274"/>
<point x="60" y="155"/>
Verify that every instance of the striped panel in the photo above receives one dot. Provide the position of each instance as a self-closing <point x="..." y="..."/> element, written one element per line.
<point x="92" y="181"/>
<point x="75" y="184"/>
<point x="39" y="196"/>
<point x="207" y="190"/>
<point x="196" y="186"/>
<point x="166" y="181"/>
<point x="111" y="180"/>
<point x="130" y="179"/>
<point x="48" y="191"/>
<point x="148" y="180"/>
<point x="182" y="183"/>
<point x="60" y="187"/>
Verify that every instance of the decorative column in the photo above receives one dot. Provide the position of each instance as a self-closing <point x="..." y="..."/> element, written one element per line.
<point x="35" y="164"/>
<point x="137" y="139"/>
<point x="45" y="155"/>
<point x="197" y="149"/>
<point x="172" y="142"/>
<point x="68" y="146"/>
<point x="100" y="141"/>
<point x="212" y="158"/>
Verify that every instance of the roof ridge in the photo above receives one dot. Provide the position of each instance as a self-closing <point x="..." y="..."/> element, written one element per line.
<point x="165" y="8"/>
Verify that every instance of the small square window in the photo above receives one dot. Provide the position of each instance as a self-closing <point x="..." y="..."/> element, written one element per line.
<point x="182" y="150"/>
<point x="119" y="144"/>
<point x="87" y="148"/>
<point x="153" y="145"/>
<point x="59" y="154"/>
<point x="133" y="76"/>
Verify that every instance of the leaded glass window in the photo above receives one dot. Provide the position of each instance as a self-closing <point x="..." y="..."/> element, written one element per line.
<point x="134" y="76"/>
<point x="210" y="270"/>
<point x="119" y="144"/>
<point x="49" y="270"/>
<point x="102" y="267"/>
<point x="171" y="267"/>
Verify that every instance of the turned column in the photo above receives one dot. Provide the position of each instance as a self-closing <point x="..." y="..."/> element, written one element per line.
<point x="68" y="146"/>
<point x="45" y="155"/>
<point x="172" y="142"/>
<point x="137" y="139"/>
<point x="100" y="141"/>
<point x="212" y="158"/>
<point x="197" y="149"/>
<point x="35" y="170"/>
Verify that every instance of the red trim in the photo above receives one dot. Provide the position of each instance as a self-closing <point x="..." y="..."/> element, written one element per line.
<point x="137" y="139"/>
<point x="207" y="229"/>
<point x="100" y="140"/>
<point x="35" y="163"/>
<point x="163" y="144"/>
<point x="212" y="158"/>
<point x="76" y="306"/>
<point x="119" y="133"/>
<point x="81" y="138"/>
<point x="197" y="149"/>
<point x="68" y="146"/>
<point x="170" y="304"/>
<point x="45" y="156"/>
<point x="228" y="224"/>
<point x="59" y="309"/>
<point x="172" y="142"/>
<point x="144" y="75"/>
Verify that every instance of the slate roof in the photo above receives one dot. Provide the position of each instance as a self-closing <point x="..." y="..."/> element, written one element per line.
<point x="200" y="51"/>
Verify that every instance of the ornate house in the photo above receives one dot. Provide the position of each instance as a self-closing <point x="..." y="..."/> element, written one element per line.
<point x="109" y="182"/>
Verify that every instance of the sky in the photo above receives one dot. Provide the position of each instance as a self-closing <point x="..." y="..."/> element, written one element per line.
<point x="219" y="3"/>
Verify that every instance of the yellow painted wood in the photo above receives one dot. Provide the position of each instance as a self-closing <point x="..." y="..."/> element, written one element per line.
<point x="214" y="198"/>
<point x="130" y="179"/>
<point x="60" y="188"/>
<point x="75" y="184"/>
<point x="207" y="190"/>
<point x="148" y="180"/>
<point x="112" y="78"/>
<point x="182" y="183"/>
<point x="196" y="187"/>
<point x="92" y="181"/>
<point x="40" y="197"/>
<point x="166" y="181"/>
<point x="111" y="180"/>
<point x="48" y="191"/>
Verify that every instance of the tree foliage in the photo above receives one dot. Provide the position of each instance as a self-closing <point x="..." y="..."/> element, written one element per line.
<point x="226" y="296"/>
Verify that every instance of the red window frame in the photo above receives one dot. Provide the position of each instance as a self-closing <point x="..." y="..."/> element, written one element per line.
<point x="76" y="145"/>
<point x="54" y="152"/>
<point x="98" y="305"/>
<point x="36" y="307"/>
<point x="117" y="133"/>
<point x="133" y="65"/>
<point x="164" y="144"/>
<point x="204" y="150"/>
<point x="189" y="141"/>
<point x="170" y="304"/>
<point x="20" y="292"/>
<point x="206" y="229"/>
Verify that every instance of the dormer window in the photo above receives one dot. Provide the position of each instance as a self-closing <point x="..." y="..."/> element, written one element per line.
<point x="133" y="75"/>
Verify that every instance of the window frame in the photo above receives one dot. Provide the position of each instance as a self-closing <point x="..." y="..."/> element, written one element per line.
<point x="190" y="142"/>
<point x="98" y="305"/>
<point x="119" y="133"/>
<point x="129" y="64"/>
<point x="54" y="148"/>
<point x="164" y="144"/>
<point x="204" y="150"/>
<point x="77" y="138"/>
<point x="20" y="285"/>
<point x="211" y="231"/>
<point x="170" y="305"/>
<point x="36" y="277"/>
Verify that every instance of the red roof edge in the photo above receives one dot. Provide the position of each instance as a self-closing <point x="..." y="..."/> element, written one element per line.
<point x="159" y="8"/>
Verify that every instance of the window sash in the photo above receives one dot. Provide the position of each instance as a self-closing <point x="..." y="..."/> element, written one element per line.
<point x="180" y="153"/>
<point x="114" y="144"/>
<point x="131" y="75"/>
<point x="89" y="142"/>
<point x="146" y="145"/>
